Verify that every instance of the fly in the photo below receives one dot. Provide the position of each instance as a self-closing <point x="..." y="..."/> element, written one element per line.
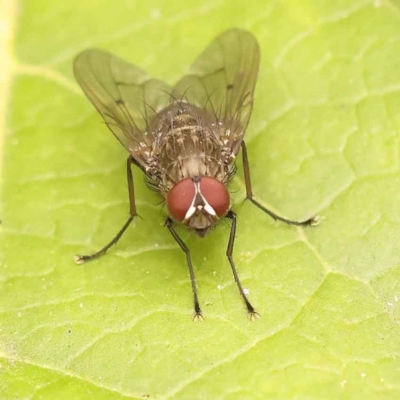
<point x="183" y="138"/>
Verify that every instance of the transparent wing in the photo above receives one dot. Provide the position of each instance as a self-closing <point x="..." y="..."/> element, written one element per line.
<point x="222" y="80"/>
<point x="124" y="95"/>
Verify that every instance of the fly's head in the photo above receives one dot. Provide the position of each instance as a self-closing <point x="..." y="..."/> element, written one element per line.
<point x="198" y="203"/>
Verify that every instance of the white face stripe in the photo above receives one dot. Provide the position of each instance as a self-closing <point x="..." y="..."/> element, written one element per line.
<point x="190" y="212"/>
<point x="192" y="209"/>
<point x="209" y="209"/>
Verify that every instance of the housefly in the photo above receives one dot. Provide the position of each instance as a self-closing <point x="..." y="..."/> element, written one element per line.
<point x="184" y="138"/>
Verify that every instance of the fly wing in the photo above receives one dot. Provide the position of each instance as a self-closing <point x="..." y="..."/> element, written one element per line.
<point x="124" y="95"/>
<point x="222" y="81"/>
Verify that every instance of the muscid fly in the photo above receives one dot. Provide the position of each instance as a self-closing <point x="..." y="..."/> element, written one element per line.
<point x="184" y="138"/>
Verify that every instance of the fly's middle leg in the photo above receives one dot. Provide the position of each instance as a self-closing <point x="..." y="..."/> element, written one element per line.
<point x="79" y="259"/>
<point x="249" y="195"/>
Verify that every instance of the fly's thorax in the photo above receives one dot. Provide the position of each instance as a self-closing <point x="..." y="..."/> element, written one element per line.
<point x="189" y="145"/>
<point x="198" y="202"/>
<point x="190" y="150"/>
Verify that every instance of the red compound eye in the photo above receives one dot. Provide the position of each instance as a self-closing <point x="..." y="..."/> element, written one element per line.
<point x="180" y="198"/>
<point x="216" y="194"/>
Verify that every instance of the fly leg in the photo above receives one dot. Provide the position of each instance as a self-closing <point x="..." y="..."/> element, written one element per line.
<point x="197" y="310"/>
<point x="132" y="211"/>
<point x="253" y="314"/>
<point x="249" y="195"/>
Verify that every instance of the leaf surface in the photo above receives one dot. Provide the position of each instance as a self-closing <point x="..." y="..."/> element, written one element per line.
<point x="323" y="139"/>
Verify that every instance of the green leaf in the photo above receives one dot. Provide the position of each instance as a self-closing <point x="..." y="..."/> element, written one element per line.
<point x="323" y="139"/>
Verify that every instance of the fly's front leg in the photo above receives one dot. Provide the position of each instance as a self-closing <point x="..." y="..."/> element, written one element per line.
<point x="198" y="315"/>
<point x="132" y="210"/>
<point x="253" y="314"/>
<point x="249" y="195"/>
